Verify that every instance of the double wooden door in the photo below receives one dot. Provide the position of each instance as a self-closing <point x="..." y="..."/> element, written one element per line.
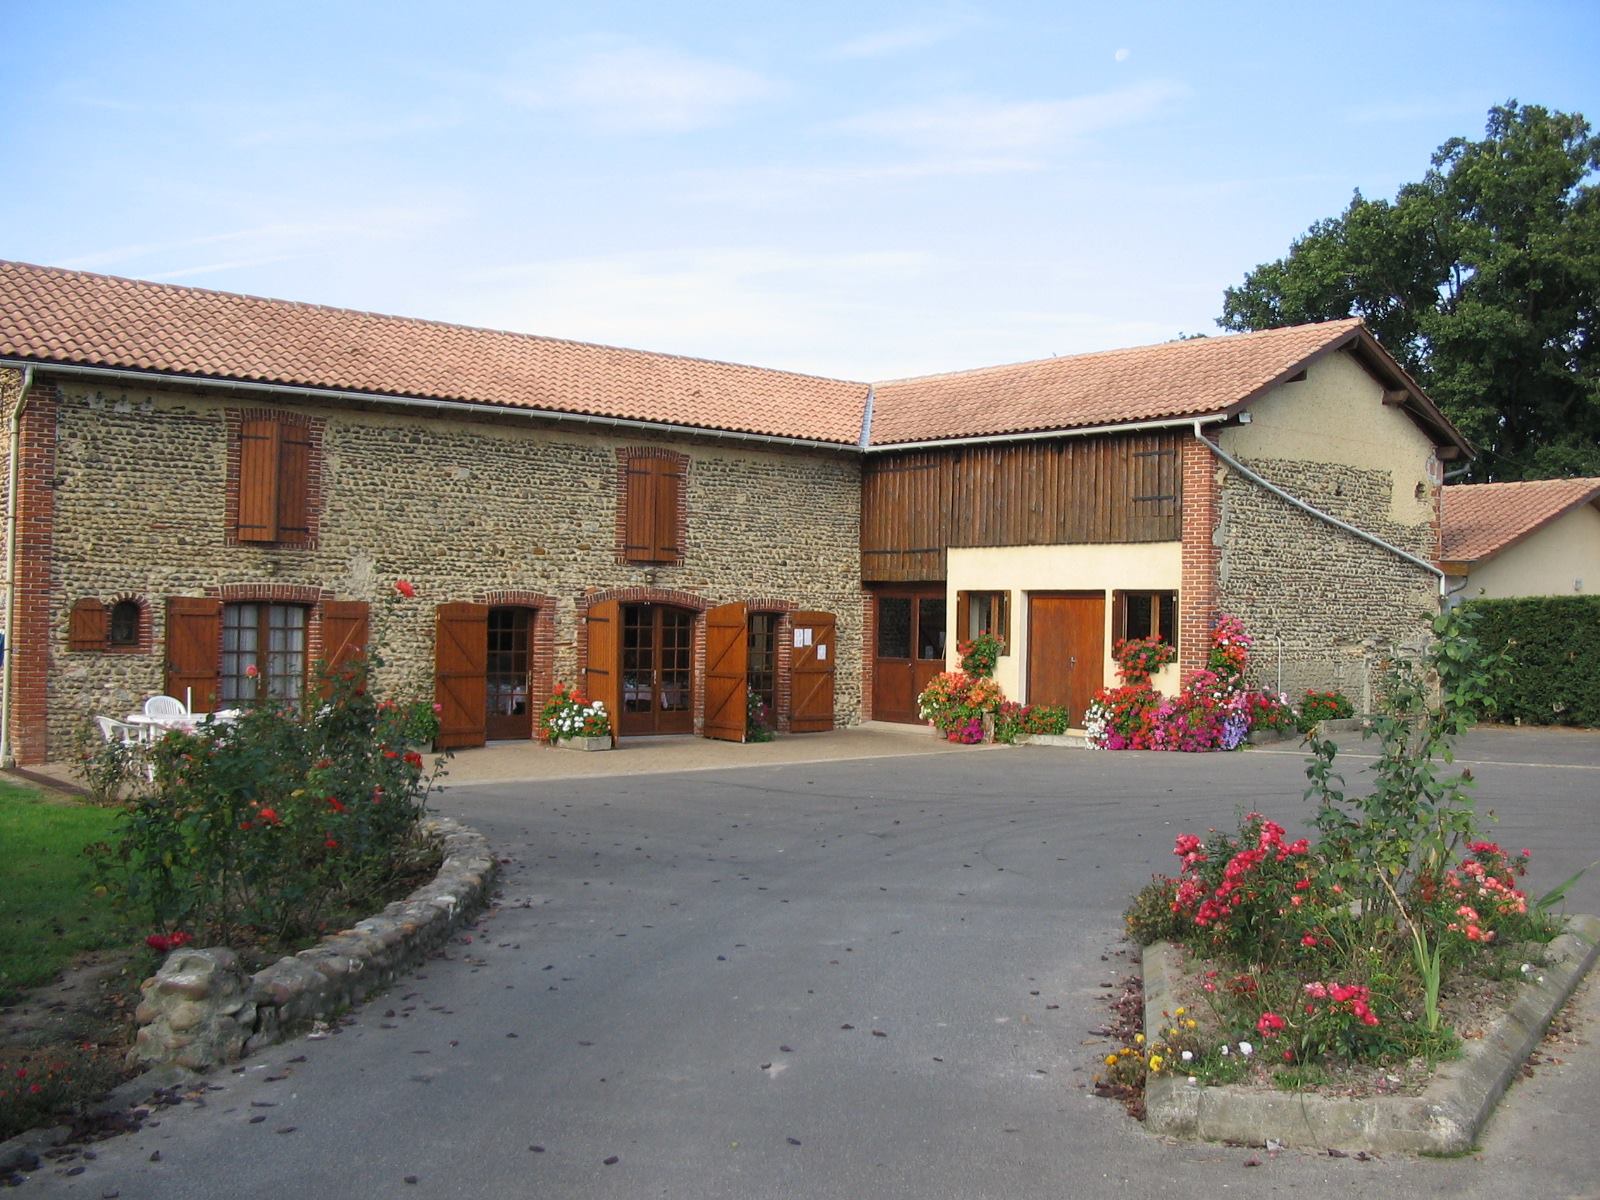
<point x="657" y="660"/>
<point x="1066" y="650"/>
<point x="910" y="649"/>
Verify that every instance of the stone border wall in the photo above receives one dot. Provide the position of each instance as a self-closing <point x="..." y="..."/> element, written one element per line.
<point x="201" y="1010"/>
<point x="1445" y="1119"/>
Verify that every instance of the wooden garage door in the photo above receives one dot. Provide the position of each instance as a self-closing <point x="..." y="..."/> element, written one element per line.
<point x="727" y="672"/>
<point x="811" y="672"/>
<point x="460" y="658"/>
<point x="1066" y="651"/>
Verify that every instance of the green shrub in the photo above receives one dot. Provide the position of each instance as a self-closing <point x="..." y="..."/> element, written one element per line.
<point x="1553" y="643"/>
<point x="267" y="826"/>
<point x="1047" y="718"/>
<point x="1318" y="707"/>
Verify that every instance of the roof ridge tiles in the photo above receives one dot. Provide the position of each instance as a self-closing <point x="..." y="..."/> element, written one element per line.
<point x="425" y="322"/>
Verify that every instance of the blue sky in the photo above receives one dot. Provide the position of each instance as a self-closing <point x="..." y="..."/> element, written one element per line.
<point x="860" y="190"/>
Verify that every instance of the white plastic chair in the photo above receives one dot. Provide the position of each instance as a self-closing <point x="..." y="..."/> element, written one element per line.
<point x="164" y="708"/>
<point x="114" y="730"/>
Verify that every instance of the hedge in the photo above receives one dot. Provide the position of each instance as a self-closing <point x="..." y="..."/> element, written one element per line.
<point x="1554" y="644"/>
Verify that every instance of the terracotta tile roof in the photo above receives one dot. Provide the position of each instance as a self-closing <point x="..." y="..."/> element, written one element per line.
<point x="1175" y="379"/>
<point x="1479" y="520"/>
<point x="53" y="315"/>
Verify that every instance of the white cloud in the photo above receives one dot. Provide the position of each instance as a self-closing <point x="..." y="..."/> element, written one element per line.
<point x="974" y="125"/>
<point x="1122" y="54"/>
<point x="887" y="42"/>
<point x="640" y="89"/>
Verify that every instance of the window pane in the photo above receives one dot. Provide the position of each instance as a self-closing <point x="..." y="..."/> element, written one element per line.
<point x="894" y="627"/>
<point x="1169" y="618"/>
<point x="240" y="632"/>
<point x="930" y="627"/>
<point x="981" y="614"/>
<point x="1138" y="620"/>
<point x="124" y="623"/>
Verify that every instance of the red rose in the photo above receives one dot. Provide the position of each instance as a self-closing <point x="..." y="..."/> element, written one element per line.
<point x="268" y="815"/>
<point x="403" y="586"/>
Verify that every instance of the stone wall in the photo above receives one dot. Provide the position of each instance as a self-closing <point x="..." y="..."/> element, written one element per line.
<point x="464" y="508"/>
<point x="1328" y="599"/>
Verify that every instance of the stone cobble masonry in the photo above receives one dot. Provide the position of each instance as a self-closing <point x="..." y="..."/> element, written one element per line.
<point x="465" y="509"/>
<point x="1313" y="589"/>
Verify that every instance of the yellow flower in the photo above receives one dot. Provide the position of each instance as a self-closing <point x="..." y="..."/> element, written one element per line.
<point x="1155" y="1062"/>
<point x="1180" y="1012"/>
<point x="1191" y="1023"/>
<point x="1111" y="1060"/>
<point x="1138" y="1039"/>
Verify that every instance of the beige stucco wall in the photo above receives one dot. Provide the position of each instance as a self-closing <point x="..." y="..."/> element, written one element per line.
<point x="1562" y="559"/>
<point x="459" y="507"/>
<point x="1153" y="566"/>
<point x="1336" y="415"/>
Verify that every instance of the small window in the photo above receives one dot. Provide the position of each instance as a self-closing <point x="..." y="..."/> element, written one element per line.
<point x="761" y="662"/>
<point x="983" y="612"/>
<point x="930" y="628"/>
<point x="1148" y="615"/>
<point x="124" y="626"/>
<point x="263" y="652"/>
<point x="894" y="627"/>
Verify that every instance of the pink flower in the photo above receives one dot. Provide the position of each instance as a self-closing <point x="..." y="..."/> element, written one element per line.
<point x="252" y="671"/>
<point x="1270" y="1024"/>
<point x="1308" y="940"/>
<point x="404" y="587"/>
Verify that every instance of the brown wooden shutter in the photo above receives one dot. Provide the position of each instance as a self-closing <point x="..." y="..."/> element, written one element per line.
<point x="88" y="625"/>
<point x="668" y="497"/>
<point x="1002" y="619"/>
<point x="811" y="672"/>
<point x="963" y="616"/>
<point x="259" y="456"/>
<point x="460" y="663"/>
<point x="603" y="673"/>
<point x="194" y="649"/>
<point x="727" y="672"/>
<point x="639" y="521"/>
<point x="344" y="636"/>
<point x="294" y="483"/>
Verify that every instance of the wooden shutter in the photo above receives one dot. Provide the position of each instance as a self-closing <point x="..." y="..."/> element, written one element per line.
<point x="87" y="627"/>
<point x="344" y="636"/>
<point x="727" y="672"/>
<point x="460" y="662"/>
<point x="603" y="674"/>
<point x="259" y="453"/>
<point x="640" y="520"/>
<point x="194" y="650"/>
<point x="1002" y="618"/>
<point x="811" y="672"/>
<point x="668" y="496"/>
<point x="963" y="616"/>
<point x="294" y="483"/>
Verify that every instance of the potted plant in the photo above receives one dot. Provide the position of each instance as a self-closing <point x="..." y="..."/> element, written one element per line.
<point x="578" y="724"/>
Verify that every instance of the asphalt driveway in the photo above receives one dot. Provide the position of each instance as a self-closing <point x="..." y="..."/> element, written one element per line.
<point x="848" y="979"/>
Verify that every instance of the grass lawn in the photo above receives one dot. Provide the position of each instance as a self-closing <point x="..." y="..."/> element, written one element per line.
<point x="48" y="911"/>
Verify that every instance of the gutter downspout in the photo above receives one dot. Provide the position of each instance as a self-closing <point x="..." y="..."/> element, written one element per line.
<point x="1277" y="491"/>
<point x="7" y="759"/>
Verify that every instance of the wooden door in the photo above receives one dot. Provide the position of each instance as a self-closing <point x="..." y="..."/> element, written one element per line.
<point x="508" y="705"/>
<point x="811" y="670"/>
<point x="657" y="669"/>
<point x="603" y="674"/>
<point x="1066" y="651"/>
<point x="727" y="672"/>
<point x="910" y="649"/>
<point x="460" y="645"/>
<point x="194" y="641"/>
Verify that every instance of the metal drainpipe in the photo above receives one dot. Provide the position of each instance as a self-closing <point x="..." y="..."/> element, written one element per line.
<point x="7" y="759"/>
<point x="1317" y="512"/>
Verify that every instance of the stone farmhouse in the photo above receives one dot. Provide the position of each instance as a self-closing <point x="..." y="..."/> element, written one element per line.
<point x="200" y="483"/>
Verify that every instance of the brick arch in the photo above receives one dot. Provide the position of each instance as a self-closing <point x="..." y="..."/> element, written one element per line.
<point x="280" y="593"/>
<point x="541" y="636"/>
<point x="144" y="638"/>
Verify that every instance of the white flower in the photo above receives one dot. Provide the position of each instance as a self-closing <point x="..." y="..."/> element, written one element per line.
<point x="1194" y="1079"/>
<point x="1227" y="1050"/>
<point x="1187" y="1056"/>
<point x="1246" y="1049"/>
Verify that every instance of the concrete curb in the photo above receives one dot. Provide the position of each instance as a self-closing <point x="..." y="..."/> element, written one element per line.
<point x="1444" y="1119"/>
<point x="1071" y="741"/>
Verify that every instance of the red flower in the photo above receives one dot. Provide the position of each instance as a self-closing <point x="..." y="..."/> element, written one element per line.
<point x="252" y="671"/>
<point x="1270" y="1024"/>
<point x="414" y="759"/>
<point x="403" y="586"/>
<point x="268" y="816"/>
<point x="335" y="803"/>
<point x="1308" y="940"/>
<point x="331" y="844"/>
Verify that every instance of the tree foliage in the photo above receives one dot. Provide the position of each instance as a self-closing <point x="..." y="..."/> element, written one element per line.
<point x="1482" y="279"/>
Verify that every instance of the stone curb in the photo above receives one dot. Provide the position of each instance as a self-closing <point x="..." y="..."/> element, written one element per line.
<point x="1072" y="741"/>
<point x="1445" y="1119"/>
<point x="200" y="1010"/>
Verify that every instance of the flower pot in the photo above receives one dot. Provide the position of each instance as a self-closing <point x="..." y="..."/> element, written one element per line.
<point x="585" y="743"/>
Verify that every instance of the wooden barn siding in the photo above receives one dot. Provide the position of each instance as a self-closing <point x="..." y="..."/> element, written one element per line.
<point x="1104" y="489"/>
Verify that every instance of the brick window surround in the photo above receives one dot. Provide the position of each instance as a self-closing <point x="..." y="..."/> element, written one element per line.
<point x="652" y="505"/>
<point x="304" y="476"/>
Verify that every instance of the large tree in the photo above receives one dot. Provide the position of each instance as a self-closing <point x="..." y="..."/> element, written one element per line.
<point x="1483" y="279"/>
